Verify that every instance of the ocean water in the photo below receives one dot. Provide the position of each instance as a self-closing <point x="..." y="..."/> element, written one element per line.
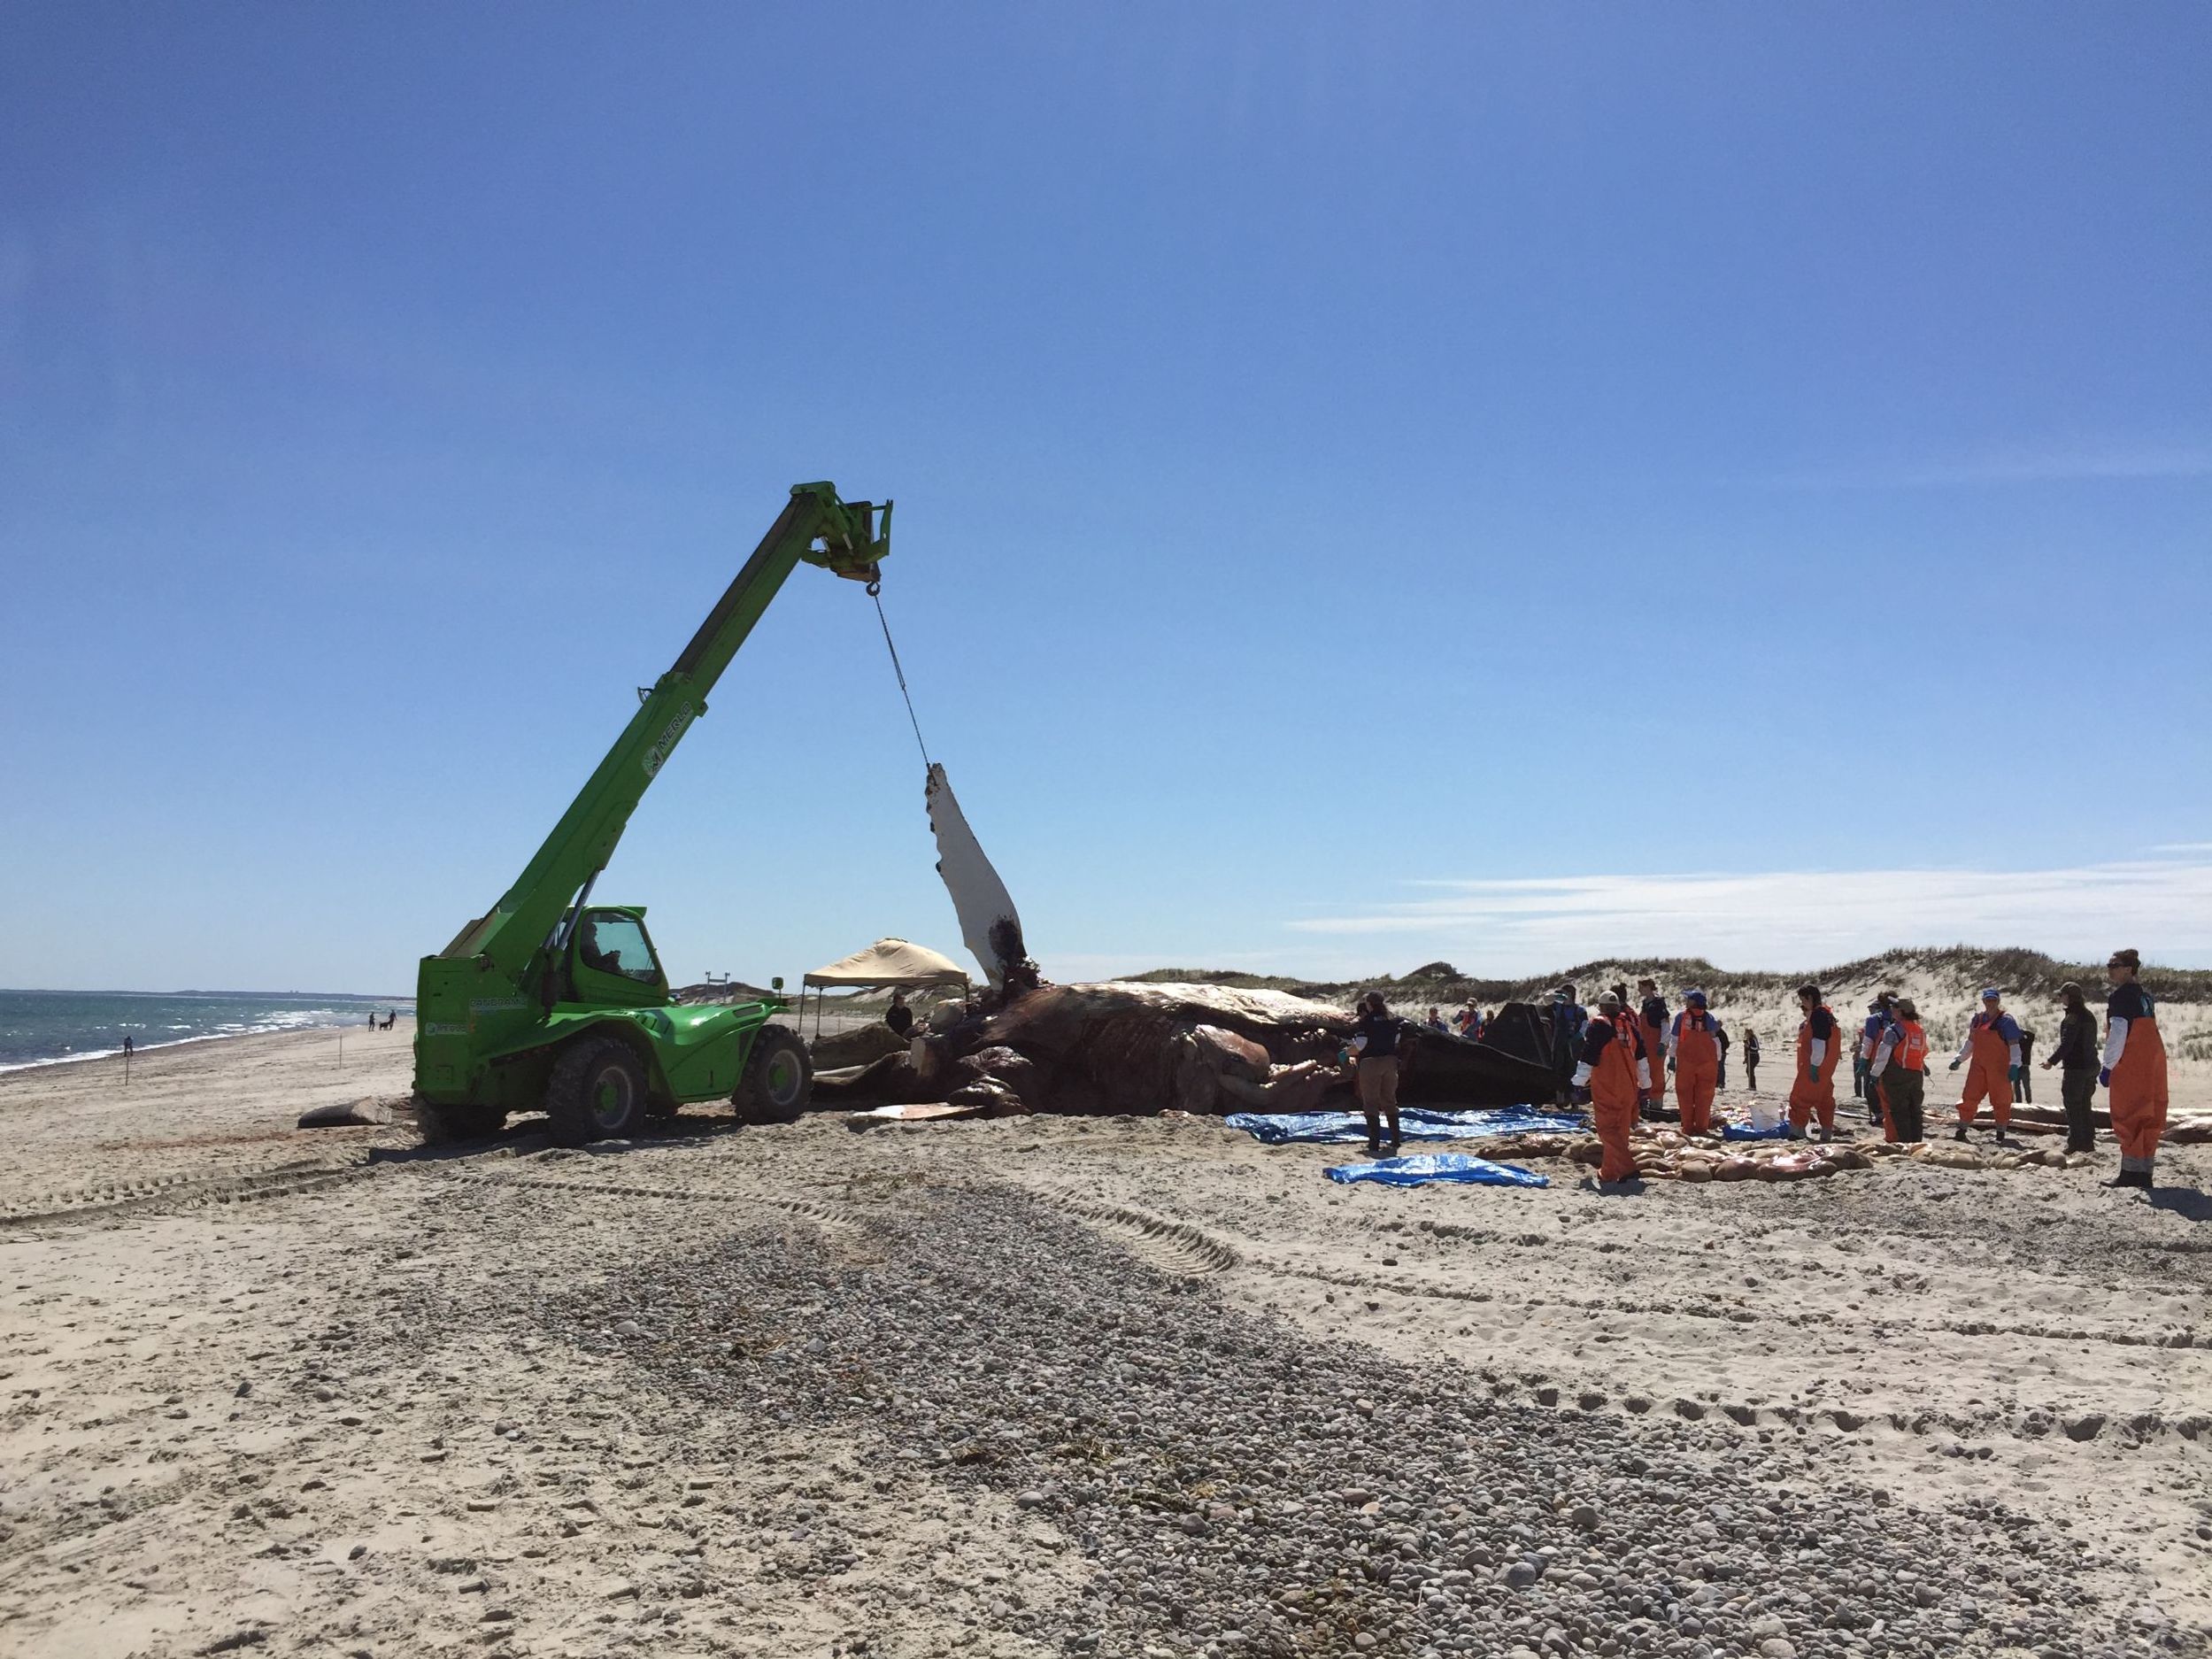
<point x="39" y="1027"/>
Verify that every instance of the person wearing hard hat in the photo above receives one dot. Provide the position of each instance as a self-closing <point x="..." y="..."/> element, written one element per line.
<point x="1819" y="1047"/>
<point x="2134" y="1070"/>
<point x="1694" y="1050"/>
<point x="1899" y="1073"/>
<point x="1993" y="1043"/>
<point x="1613" y="1077"/>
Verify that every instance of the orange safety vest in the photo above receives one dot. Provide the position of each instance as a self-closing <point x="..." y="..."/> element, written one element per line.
<point x="1805" y="1043"/>
<point x="1911" y="1050"/>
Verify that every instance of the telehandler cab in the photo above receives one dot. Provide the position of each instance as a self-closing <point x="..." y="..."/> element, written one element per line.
<point x="553" y="1002"/>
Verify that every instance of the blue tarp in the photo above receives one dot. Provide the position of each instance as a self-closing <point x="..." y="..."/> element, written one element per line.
<point x="1420" y="1168"/>
<point x="1729" y="1131"/>
<point x="1418" y="1123"/>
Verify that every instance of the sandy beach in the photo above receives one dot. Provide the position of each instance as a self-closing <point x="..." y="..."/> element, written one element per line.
<point x="1059" y="1385"/>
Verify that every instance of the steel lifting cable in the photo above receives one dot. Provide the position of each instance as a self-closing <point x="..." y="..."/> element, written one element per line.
<point x="876" y="592"/>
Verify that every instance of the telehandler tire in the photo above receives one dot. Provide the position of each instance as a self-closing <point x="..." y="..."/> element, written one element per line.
<point x="597" y="1092"/>
<point x="443" y="1125"/>
<point x="779" y="1080"/>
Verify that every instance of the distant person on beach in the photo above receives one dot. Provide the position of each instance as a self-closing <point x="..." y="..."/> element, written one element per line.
<point x="2134" y="1070"/>
<point x="1720" y="1040"/>
<point x="391" y="1019"/>
<point x="1375" y="1056"/>
<point x="2076" y="1051"/>
<point x="1569" y="1017"/>
<point x="1899" y="1073"/>
<point x="1820" y="1043"/>
<point x="2023" y="1085"/>
<point x="1992" y="1042"/>
<point x="1693" y="1054"/>
<point x="1863" y="1056"/>
<point x="898" y="1017"/>
<point x="1750" y="1060"/>
<point x="1436" y="1021"/>
<point x="1651" y="1020"/>
<point x="1614" y="1078"/>
<point x="1870" y="1034"/>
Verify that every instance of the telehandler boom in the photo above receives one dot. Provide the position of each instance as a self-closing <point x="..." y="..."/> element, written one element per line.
<point x="552" y="1001"/>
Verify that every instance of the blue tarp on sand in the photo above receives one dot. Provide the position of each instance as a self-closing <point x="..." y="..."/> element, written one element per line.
<point x="1418" y="1123"/>
<point x="1420" y="1168"/>
<point x="1729" y="1131"/>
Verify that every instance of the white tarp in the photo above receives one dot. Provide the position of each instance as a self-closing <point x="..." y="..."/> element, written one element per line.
<point x="987" y="922"/>
<point x="890" y="962"/>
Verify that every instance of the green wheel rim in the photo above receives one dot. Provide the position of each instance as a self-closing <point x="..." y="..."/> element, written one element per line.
<point x="783" y="1077"/>
<point x="611" y="1098"/>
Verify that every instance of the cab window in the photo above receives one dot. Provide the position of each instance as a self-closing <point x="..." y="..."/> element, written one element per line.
<point x="609" y="943"/>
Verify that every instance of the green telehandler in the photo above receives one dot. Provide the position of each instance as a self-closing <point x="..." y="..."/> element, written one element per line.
<point x="558" y="1003"/>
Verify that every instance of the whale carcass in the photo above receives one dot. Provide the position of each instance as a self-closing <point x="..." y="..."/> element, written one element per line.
<point x="1123" y="1046"/>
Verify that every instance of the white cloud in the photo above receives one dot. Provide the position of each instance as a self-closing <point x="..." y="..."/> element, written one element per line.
<point x="1795" y="919"/>
<point x="2022" y="464"/>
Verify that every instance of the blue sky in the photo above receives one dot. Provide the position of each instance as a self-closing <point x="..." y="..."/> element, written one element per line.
<point x="1374" y="483"/>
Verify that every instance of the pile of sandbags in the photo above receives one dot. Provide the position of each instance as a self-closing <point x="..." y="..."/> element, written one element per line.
<point x="1666" y="1155"/>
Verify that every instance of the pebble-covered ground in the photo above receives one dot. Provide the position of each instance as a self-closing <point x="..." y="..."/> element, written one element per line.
<point x="1244" y="1489"/>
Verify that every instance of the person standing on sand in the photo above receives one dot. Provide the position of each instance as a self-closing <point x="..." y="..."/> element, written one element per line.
<point x="1869" y="1037"/>
<point x="1614" y="1078"/>
<point x="1569" y="1017"/>
<point x="2134" y="1070"/>
<point x="1819" y="1052"/>
<point x="1694" y="1056"/>
<point x="2023" y="1085"/>
<point x="1652" y="1022"/>
<point x="1374" y="1055"/>
<point x="1992" y="1040"/>
<point x="1898" y="1073"/>
<point x="2077" y="1051"/>
<point x="1720" y="1041"/>
<point x="1750" y="1060"/>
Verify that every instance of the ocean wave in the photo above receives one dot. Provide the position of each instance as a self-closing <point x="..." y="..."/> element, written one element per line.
<point x="274" y="1022"/>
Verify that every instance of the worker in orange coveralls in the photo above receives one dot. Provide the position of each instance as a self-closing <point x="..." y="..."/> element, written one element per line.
<point x="1614" y="1078"/>
<point x="1898" y="1077"/>
<point x="2134" y="1070"/>
<point x="1694" y="1052"/>
<point x="1993" y="1043"/>
<point x="1819" y="1047"/>
<point x="1650" y="1025"/>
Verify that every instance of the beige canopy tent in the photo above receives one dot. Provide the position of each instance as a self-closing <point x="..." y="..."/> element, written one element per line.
<point x="890" y="962"/>
<point x="887" y="963"/>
